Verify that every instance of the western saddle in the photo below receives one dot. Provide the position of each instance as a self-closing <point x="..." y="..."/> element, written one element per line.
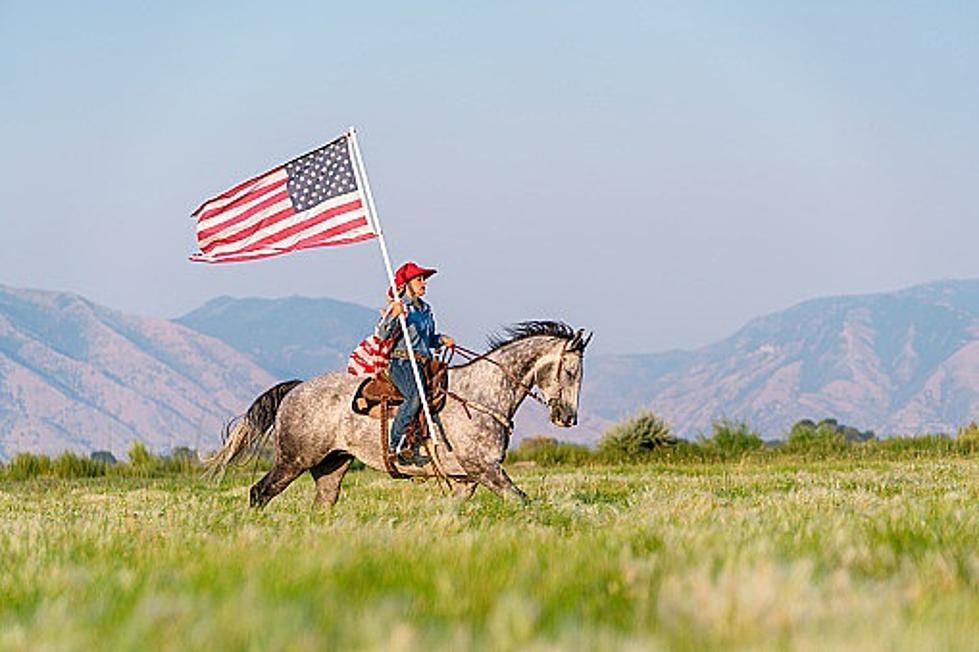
<point x="378" y="398"/>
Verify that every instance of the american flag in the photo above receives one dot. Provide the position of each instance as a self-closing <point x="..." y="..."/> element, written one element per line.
<point x="312" y="201"/>
<point x="371" y="356"/>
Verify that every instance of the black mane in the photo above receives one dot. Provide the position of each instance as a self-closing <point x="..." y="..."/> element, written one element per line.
<point x="526" y="329"/>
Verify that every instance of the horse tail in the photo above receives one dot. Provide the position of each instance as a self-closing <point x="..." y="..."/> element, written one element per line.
<point x="245" y="436"/>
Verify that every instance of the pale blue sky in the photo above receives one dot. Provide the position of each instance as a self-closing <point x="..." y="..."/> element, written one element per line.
<point x="658" y="171"/>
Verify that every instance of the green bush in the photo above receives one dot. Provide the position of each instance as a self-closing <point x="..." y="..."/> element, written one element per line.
<point x="635" y="439"/>
<point x="548" y="451"/>
<point x="25" y="466"/>
<point x="180" y="460"/>
<point x="680" y="451"/>
<point x="142" y="463"/>
<point x="967" y="439"/>
<point x="731" y="439"/>
<point x="69" y="465"/>
<point x="808" y="438"/>
<point x="850" y="434"/>
<point x="139" y="456"/>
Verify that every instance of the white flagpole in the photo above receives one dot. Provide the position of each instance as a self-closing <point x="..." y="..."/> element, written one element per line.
<point x="376" y="224"/>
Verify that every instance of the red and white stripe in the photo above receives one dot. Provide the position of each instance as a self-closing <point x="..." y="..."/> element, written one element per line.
<point x="371" y="356"/>
<point x="256" y="219"/>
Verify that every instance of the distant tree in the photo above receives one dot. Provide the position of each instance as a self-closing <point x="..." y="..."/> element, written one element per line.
<point x="850" y="434"/>
<point x="731" y="438"/>
<point x="184" y="453"/>
<point x="855" y="436"/>
<point x="105" y="457"/>
<point x="967" y="439"/>
<point x="139" y="456"/>
<point x="823" y="437"/>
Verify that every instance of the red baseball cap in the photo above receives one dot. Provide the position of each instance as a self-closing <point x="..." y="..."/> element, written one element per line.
<point x="409" y="271"/>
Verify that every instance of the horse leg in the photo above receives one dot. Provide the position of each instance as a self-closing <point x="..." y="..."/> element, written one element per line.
<point x="273" y="483"/>
<point x="495" y="479"/>
<point x="328" y="475"/>
<point x="463" y="490"/>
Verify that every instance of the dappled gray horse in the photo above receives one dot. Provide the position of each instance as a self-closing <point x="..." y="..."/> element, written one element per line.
<point x="313" y="427"/>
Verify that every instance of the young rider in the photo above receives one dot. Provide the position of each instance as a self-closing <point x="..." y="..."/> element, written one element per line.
<point x="411" y="281"/>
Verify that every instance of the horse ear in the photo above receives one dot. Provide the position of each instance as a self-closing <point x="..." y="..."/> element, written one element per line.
<point x="579" y="341"/>
<point x="585" y="342"/>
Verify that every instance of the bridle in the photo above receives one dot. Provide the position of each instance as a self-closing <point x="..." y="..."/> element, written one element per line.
<point x="506" y="421"/>
<point x="531" y="391"/>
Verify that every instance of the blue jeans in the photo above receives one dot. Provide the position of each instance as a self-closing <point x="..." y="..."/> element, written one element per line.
<point x="401" y="375"/>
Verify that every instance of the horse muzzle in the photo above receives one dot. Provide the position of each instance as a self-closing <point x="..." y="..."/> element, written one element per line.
<point x="562" y="415"/>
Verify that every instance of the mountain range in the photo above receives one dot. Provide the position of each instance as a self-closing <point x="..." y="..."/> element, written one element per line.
<point x="896" y="363"/>
<point x="295" y="337"/>
<point x="76" y="375"/>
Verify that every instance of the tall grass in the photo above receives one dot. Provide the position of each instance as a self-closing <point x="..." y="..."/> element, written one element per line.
<point x="643" y="440"/>
<point x="141" y="463"/>
<point x="764" y="553"/>
<point x="550" y="452"/>
<point x="731" y="441"/>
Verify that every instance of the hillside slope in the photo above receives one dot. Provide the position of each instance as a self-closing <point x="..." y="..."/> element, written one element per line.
<point x="901" y="362"/>
<point x="295" y="337"/>
<point x="77" y="376"/>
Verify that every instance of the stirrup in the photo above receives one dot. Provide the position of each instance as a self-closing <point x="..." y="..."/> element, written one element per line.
<point x="411" y="457"/>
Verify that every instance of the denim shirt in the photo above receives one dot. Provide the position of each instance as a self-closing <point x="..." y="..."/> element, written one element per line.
<point x="421" y="328"/>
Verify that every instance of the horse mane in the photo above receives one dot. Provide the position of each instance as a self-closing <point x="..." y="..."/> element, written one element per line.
<point x="525" y="329"/>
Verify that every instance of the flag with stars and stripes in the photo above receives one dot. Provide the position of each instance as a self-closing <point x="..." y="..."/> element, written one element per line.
<point x="371" y="356"/>
<point x="315" y="200"/>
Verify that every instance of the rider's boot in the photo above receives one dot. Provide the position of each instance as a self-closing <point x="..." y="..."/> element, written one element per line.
<point x="410" y="452"/>
<point x="406" y="452"/>
<point x="393" y="441"/>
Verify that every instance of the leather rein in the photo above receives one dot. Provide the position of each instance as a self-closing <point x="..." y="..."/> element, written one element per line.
<point x="474" y="356"/>
<point x="505" y="421"/>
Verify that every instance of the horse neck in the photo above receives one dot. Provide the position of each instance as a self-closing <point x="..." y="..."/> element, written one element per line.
<point x="493" y="380"/>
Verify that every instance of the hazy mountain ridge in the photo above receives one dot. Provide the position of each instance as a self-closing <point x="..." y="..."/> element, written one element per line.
<point x="895" y="362"/>
<point x="77" y="376"/>
<point x="295" y="337"/>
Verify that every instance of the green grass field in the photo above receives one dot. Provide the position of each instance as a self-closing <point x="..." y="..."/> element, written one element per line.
<point x="782" y="553"/>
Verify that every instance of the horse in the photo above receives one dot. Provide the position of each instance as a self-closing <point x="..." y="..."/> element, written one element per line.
<point x="313" y="427"/>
